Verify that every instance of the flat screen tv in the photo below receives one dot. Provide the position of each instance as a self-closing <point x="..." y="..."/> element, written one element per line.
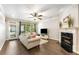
<point x="44" y="31"/>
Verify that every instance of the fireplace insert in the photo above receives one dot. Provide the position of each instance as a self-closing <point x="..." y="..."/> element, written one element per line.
<point x="67" y="41"/>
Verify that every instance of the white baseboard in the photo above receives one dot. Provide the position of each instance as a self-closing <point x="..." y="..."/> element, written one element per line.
<point x="76" y="52"/>
<point x="53" y="39"/>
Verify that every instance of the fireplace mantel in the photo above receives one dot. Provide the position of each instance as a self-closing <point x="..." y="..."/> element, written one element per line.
<point x="75" y="37"/>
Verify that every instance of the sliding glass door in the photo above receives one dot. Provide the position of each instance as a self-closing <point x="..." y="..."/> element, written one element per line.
<point x="12" y="31"/>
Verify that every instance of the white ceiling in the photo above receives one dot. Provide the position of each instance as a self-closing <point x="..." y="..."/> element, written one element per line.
<point x="22" y="11"/>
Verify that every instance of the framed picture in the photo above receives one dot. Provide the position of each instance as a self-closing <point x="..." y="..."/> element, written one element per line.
<point x="67" y="22"/>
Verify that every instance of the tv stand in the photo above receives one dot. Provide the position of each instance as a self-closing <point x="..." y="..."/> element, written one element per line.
<point x="44" y="36"/>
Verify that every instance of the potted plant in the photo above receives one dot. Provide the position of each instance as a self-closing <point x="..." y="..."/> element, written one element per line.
<point x="70" y="22"/>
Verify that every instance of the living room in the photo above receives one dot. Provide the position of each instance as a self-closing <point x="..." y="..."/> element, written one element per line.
<point x="33" y="29"/>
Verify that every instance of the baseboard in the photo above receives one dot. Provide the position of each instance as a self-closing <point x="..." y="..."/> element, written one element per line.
<point x="53" y="39"/>
<point x="76" y="52"/>
<point x="12" y="39"/>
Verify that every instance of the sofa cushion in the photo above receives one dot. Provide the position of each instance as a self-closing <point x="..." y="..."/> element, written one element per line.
<point x="33" y="34"/>
<point x="34" y="39"/>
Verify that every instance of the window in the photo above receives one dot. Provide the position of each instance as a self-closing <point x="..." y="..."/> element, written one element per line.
<point x="30" y="27"/>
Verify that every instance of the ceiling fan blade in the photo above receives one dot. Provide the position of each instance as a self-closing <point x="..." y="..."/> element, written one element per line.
<point x="35" y="14"/>
<point x="40" y="15"/>
<point x="31" y="14"/>
<point x="40" y="18"/>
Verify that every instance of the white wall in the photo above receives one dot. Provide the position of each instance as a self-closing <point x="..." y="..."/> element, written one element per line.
<point x="2" y="30"/>
<point x="52" y="27"/>
<point x="73" y="12"/>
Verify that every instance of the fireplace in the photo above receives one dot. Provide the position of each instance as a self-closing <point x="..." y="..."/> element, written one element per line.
<point x="67" y="41"/>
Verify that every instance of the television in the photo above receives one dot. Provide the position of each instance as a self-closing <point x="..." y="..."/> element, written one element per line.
<point x="44" y="31"/>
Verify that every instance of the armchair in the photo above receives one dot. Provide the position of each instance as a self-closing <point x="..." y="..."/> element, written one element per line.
<point x="29" y="42"/>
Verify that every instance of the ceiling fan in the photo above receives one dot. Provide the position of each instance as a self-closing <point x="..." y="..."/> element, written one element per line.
<point x="36" y="16"/>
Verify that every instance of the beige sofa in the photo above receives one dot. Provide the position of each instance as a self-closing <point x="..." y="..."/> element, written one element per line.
<point x="29" y="42"/>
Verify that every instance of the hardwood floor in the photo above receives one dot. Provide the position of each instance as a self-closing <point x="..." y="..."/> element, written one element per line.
<point x="16" y="48"/>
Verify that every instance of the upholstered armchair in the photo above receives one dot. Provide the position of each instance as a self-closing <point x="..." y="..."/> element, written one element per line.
<point x="29" y="41"/>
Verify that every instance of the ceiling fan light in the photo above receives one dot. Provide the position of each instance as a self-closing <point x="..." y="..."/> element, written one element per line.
<point x="34" y="19"/>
